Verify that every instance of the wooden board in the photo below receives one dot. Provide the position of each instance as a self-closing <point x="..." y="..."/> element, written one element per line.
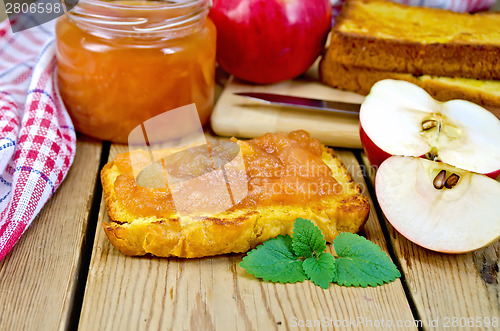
<point x="216" y="294"/>
<point x="243" y="117"/>
<point x="446" y="286"/>
<point x="39" y="276"/>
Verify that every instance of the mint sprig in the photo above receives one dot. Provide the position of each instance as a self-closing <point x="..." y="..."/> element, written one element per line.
<point x="307" y="238"/>
<point x="361" y="263"/>
<point x="286" y="259"/>
<point x="275" y="261"/>
<point x="321" y="269"/>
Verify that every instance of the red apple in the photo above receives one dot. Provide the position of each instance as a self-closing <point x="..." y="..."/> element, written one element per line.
<point x="437" y="206"/>
<point x="400" y="118"/>
<point x="267" y="41"/>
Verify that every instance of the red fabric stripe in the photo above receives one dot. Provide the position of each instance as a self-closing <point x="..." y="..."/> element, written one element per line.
<point x="34" y="39"/>
<point x="24" y="76"/>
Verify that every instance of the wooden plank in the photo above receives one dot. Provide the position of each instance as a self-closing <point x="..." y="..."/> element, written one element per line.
<point x="38" y="277"/>
<point x="216" y="294"/>
<point x="445" y="286"/>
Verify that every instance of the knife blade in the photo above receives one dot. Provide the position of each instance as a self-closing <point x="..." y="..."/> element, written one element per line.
<point x="305" y="103"/>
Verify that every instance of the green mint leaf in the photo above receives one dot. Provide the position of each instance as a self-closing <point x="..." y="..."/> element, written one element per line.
<point x="307" y="238"/>
<point x="361" y="263"/>
<point x="275" y="261"/>
<point x="320" y="270"/>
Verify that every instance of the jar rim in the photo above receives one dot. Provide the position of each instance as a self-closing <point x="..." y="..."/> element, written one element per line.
<point x="155" y="4"/>
<point x="134" y="19"/>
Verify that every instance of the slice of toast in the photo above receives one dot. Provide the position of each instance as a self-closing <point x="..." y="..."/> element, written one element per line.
<point x="392" y="37"/>
<point x="240" y="228"/>
<point x="360" y="80"/>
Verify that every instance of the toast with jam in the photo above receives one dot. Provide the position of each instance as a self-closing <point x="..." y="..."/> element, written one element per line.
<point x="285" y="177"/>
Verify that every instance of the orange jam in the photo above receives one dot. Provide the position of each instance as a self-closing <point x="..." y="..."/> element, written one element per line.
<point x="121" y="63"/>
<point x="280" y="169"/>
<point x="287" y="169"/>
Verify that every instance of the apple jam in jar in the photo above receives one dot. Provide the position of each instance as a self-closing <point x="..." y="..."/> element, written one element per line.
<point x="121" y="63"/>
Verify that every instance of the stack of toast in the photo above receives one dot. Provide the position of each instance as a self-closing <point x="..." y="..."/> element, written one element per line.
<point x="451" y="55"/>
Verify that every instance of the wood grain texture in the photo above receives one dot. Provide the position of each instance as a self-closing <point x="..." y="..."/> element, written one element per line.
<point x="38" y="277"/>
<point x="445" y="285"/>
<point x="216" y="294"/>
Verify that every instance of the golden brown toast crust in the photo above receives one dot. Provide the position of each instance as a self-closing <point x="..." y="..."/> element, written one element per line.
<point x="360" y="80"/>
<point x="357" y="40"/>
<point x="236" y="230"/>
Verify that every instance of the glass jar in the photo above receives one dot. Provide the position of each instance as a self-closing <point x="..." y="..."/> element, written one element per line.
<point x="121" y="63"/>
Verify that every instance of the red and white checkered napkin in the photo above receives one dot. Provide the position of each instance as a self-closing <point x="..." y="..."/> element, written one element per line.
<point x="37" y="138"/>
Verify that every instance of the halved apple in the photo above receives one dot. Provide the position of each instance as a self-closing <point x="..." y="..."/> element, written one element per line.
<point x="400" y="118"/>
<point x="438" y="206"/>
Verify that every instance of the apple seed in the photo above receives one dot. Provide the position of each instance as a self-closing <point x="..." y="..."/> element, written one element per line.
<point x="432" y="154"/>
<point x="451" y="181"/>
<point x="429" y="124"/>
<point x="439" y="180"/>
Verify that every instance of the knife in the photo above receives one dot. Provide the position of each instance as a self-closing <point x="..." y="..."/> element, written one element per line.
<point x="305" y="103"/>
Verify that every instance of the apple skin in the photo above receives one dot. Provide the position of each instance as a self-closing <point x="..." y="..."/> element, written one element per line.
<point x="267" y="41"/>
<point x="375" y="154"/>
